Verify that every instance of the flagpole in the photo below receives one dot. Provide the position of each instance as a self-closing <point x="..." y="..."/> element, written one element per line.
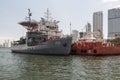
<point x="70" y="28"/>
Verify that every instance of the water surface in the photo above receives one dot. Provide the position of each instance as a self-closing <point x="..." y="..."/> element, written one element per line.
<point x="73" y="67"/>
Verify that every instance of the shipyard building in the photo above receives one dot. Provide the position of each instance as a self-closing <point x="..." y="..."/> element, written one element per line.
<point x="98" y="23"/>
<point x="113" y="23"/>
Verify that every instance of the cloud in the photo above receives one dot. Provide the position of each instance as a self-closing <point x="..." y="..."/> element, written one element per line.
<point x="107" y="1"/>
<point x="118" y="6"/>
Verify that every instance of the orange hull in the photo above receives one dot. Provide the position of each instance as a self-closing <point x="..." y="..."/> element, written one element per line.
<point x="95" y="48"/>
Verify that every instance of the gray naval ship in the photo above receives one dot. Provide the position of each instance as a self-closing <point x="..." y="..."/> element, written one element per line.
<point x="42" y="37"/>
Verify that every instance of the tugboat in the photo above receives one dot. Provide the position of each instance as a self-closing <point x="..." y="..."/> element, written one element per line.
<point x="43" y="37"/>
<point x="83" y="47"/>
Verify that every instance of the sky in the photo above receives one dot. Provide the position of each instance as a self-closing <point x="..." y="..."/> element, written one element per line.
<point x="76" y="12"/>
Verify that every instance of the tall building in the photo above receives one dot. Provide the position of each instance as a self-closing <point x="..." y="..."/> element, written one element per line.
<point x="113" y="23"/>
<point x="87" y="34"/>
<point x="75" y="35"/>
<point x="98" y="23"/>
<point x="88" y="27"/>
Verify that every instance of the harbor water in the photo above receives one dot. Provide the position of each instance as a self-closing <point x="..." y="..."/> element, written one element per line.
<point x="48" y="67"/>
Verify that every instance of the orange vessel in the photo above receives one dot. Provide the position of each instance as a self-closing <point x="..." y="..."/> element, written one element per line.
<point x="83" y="47"/>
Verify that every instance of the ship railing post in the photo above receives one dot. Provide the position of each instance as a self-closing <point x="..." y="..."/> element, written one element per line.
<point x="26" y="38"/>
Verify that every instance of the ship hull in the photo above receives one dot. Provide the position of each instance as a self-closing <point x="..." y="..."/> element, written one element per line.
<point x="95" y="48"/>
<point x="60" y="46"/>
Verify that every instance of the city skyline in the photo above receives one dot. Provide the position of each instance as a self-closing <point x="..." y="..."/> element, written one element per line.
<point x="65" y="11"/>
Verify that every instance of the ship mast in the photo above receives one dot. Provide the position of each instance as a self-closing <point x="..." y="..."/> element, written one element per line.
<point x="29" y="17"/>
<point x="47" y="15"/>
<point x="29" y="27"/>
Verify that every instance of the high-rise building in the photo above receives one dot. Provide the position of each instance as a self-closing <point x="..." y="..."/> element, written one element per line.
<point x="75" y="35"/>
<point x="88" y="27"/>
<point x="98" y="23"/>
<point x="113" y="23"/>
<point x="87" y="34"/>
